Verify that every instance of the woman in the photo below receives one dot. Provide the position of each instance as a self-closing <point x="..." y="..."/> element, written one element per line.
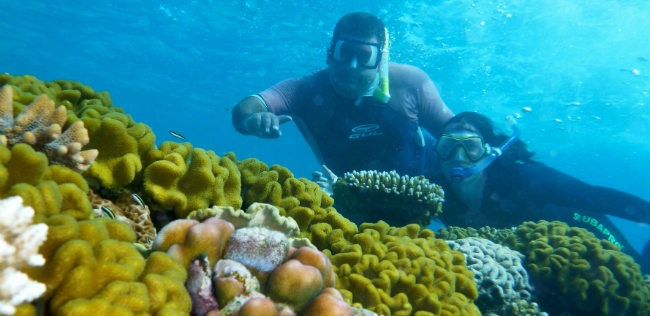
<point x="486" y="185"/>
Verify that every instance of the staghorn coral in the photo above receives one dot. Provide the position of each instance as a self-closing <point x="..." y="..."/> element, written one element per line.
<point x="501" y="279"/>
<point x="387" y="196"/>
<point x="399" y="271"/>
<point x="121" y="142"/>
<point x="577" y="273"/>
<point x="19" y="242"/>
<point x="497" y="236"/>
<point x="39" y="125"/>
<point x="48" y="189"/>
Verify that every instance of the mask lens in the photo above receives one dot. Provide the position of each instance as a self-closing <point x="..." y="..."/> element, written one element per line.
<point x="472" y="145"/>
<point x="367" y="54"/>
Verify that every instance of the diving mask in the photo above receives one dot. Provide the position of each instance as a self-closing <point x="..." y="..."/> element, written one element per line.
<point x="474" y="146"/>
<point x="342" y="51"/>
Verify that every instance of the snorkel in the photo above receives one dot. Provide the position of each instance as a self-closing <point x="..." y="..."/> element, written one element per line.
<point x="382" y="93"/>
<point x="459" y="174"/>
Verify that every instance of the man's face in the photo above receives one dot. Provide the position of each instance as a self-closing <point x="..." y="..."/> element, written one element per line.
<point x="349" y="79"/>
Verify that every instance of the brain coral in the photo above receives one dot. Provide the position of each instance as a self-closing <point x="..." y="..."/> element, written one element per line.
<point x="502" y="280"/>
<point x="387" y="196"/>
<point x="492" y="234"/>
<point x="120" y="141"/>
<point x="577" y="273"/>
<point x="399" y="271"/>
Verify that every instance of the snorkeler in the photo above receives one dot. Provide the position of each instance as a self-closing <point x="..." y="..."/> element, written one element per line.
<point x="490" y="180"/>
<point x="352" y="114"/>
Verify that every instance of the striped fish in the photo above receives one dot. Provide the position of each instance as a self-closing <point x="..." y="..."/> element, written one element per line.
<point x="138" y="199"/>
<point x="177" y="135"/>
<point x="107" y="211"/>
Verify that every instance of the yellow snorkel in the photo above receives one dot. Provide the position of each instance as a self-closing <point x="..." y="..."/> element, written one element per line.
<point x="382" y="94"/>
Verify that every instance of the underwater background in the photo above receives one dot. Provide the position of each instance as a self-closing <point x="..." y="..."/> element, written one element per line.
<point x="580" y="66"/>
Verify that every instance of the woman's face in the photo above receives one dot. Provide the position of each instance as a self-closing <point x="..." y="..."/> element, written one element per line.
<point x="459" y="156"/>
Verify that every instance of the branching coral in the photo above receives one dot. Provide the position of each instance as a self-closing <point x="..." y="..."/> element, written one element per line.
<point x="578" y="273"/>
<point x="19" y="242"/>
<point x="387" y="196"/>
<point x="39" y="125"/>
<point x="501" y="279"/>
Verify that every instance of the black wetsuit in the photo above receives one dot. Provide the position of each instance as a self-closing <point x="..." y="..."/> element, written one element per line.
<point x="530" y="191"/>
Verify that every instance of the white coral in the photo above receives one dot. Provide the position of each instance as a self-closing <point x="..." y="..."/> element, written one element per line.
<point x="19" y="245"/>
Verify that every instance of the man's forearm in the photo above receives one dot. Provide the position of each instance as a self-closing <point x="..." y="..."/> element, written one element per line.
<point x="244" y="109"/>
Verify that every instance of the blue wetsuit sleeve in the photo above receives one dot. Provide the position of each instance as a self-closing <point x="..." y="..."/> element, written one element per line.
<point x="553" y="186"/>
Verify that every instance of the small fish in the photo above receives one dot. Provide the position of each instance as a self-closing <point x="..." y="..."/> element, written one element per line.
<point x="517" y="115"/>
<point x="526" y="109"/>
<point x="558" y="120"/>
<point x="138" y="199"/>
<point x="643" y="59"/>
<point x="574" y="103"/>
<point x="596" y="117"/>
<point x="226" y="109"/>
<point x="177" y="135"/>
<point x="561" y="128"/>
<point x="107" y="211"/>
<point x="635" y="72"/>
<point x="148" y="240"/>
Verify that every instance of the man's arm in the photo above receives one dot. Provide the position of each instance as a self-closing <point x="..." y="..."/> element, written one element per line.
<point x="250" y="117"/>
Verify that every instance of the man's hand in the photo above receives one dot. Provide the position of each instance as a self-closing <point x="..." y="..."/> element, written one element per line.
<point x="325" y="182"/>
<point x="265" y="124"/>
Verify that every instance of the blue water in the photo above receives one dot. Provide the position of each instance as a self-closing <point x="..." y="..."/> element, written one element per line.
<point x="182" y="65"/>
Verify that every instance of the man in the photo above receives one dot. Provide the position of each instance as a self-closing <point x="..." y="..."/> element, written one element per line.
<point x="342" y="111"/>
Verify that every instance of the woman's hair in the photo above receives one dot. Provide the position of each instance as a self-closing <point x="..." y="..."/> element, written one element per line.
<point x="485" y="127"/>
<point x="360" y="24"/>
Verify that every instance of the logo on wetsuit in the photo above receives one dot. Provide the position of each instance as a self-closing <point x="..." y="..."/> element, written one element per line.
<point x="593" y="222"/>
<point x="365" y="131"/>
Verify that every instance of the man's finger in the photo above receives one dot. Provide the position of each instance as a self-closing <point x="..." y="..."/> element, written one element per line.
<point x="266" y="124"/>
<point x="284" y="118"/>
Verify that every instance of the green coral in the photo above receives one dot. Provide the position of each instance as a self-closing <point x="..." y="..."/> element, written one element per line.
<point x="387" y="196"/>
<point x="591" y="276"/>
<point x="120" y="140"/>
<point x="497" y="236"/>
<point x="399" y="271"/>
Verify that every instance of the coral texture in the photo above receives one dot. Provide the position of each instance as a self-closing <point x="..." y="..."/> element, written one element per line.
<point x="387" y="196"/>
<point x="120" y="141"/>
<point x="501" y="279"/>
<point x="127" y="211"/>
<point x="497" y="236"/>
<point x="48" y="189"/>
<point x="577" y="273"/>
<point x="92" y="267"/>
<point x="244" y="246"/>
<point x="399" y="271"/>
<point x="39" y="125"/>
<point x="19" y="242"/>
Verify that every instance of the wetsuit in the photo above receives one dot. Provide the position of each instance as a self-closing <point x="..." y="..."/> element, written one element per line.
<point x="531" y="191"/>
<point x="368" y="135"/>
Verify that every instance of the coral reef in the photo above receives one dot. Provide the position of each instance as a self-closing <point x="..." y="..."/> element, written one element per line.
<point x="256" y="215"/>
<point x="387" y="196"/>
<point x="48" y="189"/>
<point x="575" y="272"/>
<point x="501" y="279"/>
<point x="120" y="141"/>
<point x="497" y="236"/>
<point x="19" y="242"/>
<point x="399" y="271"/>
<point x="127" y="211"/>
<point x="39" y="125"/>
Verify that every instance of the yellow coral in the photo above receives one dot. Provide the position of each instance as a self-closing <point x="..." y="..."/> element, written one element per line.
<point x="594" y="275"/>
<point x="172" y="181"/>
<point x="39" y="125"/>
<point x="93" y="264"/>
<point x="48" y="189"/>
<point x="121" y="142"/>
<point x="400" y="271"/>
